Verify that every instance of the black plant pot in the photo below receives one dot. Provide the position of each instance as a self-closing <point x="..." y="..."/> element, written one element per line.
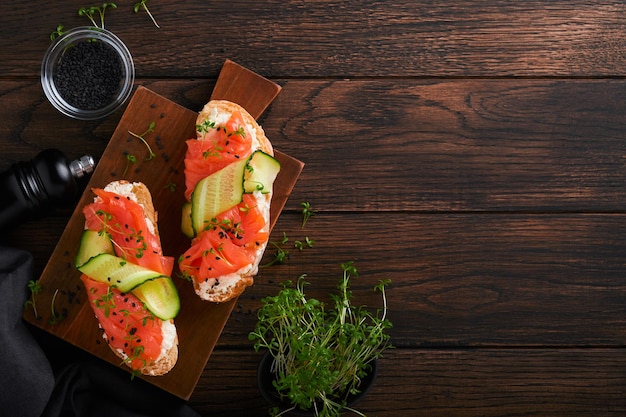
<point x="265" y="379"/>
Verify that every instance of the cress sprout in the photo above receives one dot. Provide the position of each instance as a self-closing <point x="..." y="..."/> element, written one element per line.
<point x="90" y="12"/>
<point x="143" y="4"/>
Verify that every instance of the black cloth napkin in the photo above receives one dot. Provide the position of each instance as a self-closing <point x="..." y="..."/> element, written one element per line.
<point x="32" y="386"/>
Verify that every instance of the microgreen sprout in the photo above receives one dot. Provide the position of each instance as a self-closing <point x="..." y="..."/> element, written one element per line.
<point x="171" y="186"/>
<point x="143" y="4"/>
<point x="55" y="317"/>
<point x="300" y="245"/>
<point x="281" y="254"/>
<point x="135" y="243"/>
<point x="141" y="138"/>
<point x="307" y="212"/>
<point x="321" y="352"/>
<point x="105" y="302"/>
<point x="130" y="159"/>
<point x="90" y="12"/>
<point x="35" y="288"/>
<point x="205" y="126"/>
<point x="57" y="32"/>
<point x="184" y="275"/>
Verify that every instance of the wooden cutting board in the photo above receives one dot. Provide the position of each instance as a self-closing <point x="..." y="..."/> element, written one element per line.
<point x="199" y="323"/>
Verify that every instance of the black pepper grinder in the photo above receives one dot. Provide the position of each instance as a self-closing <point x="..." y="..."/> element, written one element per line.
<point x="45" y="182"/>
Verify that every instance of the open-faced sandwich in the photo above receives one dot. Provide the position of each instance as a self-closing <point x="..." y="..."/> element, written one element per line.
<point x="229" y="173"/>
<point x="127" y="277"/>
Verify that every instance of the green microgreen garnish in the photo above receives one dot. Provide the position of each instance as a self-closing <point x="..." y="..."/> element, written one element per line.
<point x="142" y="138"/>
<point x="171" y="186"/>
<point x="307" y="212"/>
<point x="184" y="275"/>
<point x="34" y="288"/>
<point x="300" y="245"/>
<point x="134" y="343"/>
<point x="281" y="255"/>
<point x="136" y="241"/>
<point x="143" y="4"/>
<point x="240" y="132"/>
<point x="90" y="12"/>
<point x="205" y="126"/>
<point x="225" y="225"/>
<point x="57" y="32"/>
<point x="130" y="159"/>
<point x="320" y="352"/>
<point x="105" y="302"/>
<point x="55" y="317"/>
<point x="213" y="153"/>
<point x="135" y="354"/>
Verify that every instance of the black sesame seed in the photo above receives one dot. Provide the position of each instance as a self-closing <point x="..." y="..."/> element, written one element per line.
<point x="88" y="75"/>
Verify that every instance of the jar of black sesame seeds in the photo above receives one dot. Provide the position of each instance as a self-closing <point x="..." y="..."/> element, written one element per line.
<point x="87" y="73"/>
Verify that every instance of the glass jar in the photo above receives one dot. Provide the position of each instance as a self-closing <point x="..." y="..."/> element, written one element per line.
<point x="87" y="73"/>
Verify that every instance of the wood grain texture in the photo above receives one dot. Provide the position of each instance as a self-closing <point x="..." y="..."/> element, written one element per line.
<point x="485" y="145"/>
<point x="473" y="152"/>
<point x="245" y="86"/>
<point x="458" y="279"/>
<point x="325" y="38"/>
<point x="448" y="383"/>
<point x="463" y="279"/>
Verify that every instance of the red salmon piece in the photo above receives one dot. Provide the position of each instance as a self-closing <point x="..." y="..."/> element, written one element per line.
<point x="124" y="220"/>
<point x="228" y="244"/>
<point x="218" y="147"/>
<point x="129" y="327"/>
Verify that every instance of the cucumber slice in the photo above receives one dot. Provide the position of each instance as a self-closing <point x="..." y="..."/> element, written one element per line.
<point x="93" y="243"/>
<point x="217" y="193"/>
<point x="261" y="172"/>
<point x="160" y="297"/>
<point x="115" y="271"/>
<point x="185" y="222"/>
<point x="225" y="188"/>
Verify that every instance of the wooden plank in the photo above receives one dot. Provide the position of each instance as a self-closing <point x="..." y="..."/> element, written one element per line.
<point x="323" y="38"/>
<point x="447" y="145"/>
<point x="463" y="279"/>
<point x="449" y="383"/>
<point x="237" y="81"/>
<point x="456" y="145"/>
<point x="458" y="279"/>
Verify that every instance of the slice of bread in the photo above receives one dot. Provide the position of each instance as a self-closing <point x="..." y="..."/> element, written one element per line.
<point x="168" y="357"/>
<point x="227" y="287"/>
<point x="219" y="111"/>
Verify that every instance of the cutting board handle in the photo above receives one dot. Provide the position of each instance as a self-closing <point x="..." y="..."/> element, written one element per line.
<point x="244" y="87"/>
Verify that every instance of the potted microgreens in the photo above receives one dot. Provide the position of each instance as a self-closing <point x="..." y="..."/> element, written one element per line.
<point x="318" y="357"/>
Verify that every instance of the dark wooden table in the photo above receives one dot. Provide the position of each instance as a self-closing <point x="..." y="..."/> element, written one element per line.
<point x="471" y="152"/>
